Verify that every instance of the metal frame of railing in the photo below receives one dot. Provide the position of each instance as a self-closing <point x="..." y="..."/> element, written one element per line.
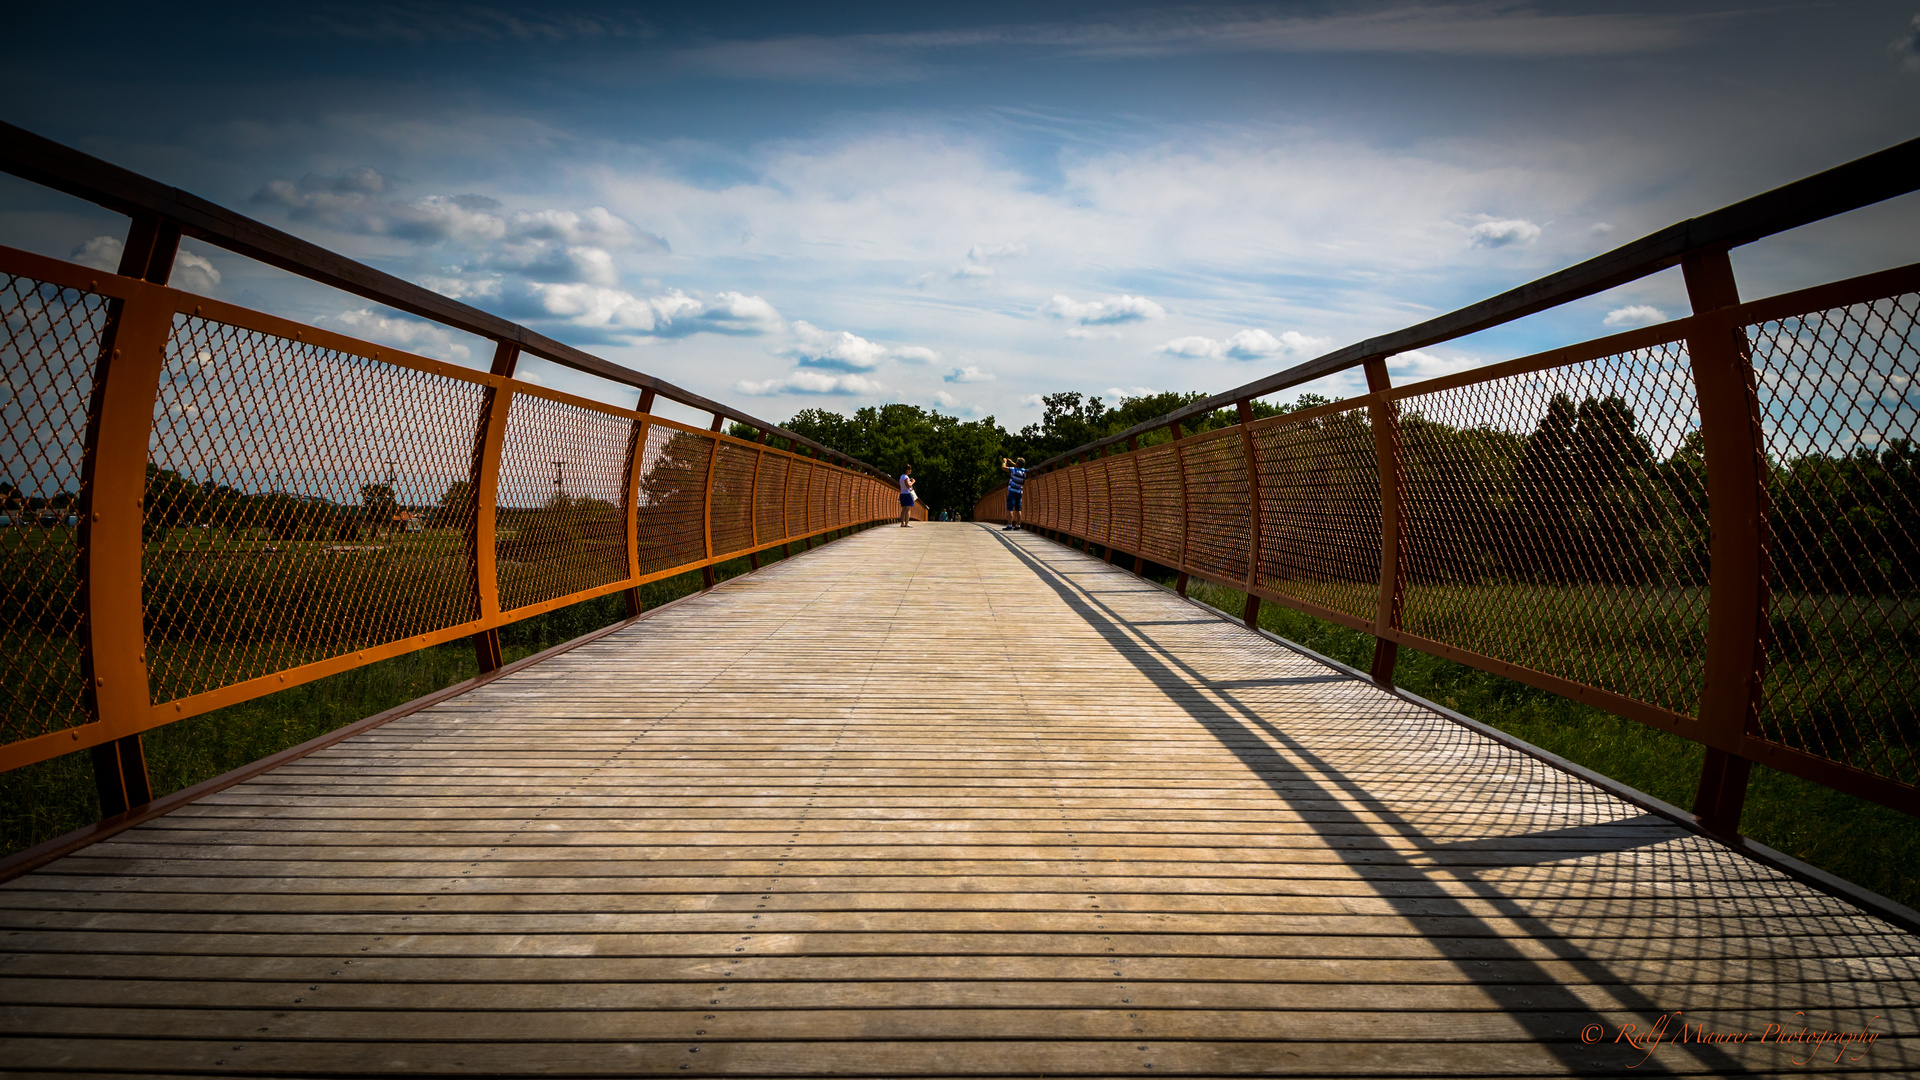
<point x="129" y="397"/>
<point x="1395" y="512"/>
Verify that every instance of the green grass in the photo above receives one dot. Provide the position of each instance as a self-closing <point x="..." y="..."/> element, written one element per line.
<point x="42" y="801"/>
<point x="1850" y="837"/>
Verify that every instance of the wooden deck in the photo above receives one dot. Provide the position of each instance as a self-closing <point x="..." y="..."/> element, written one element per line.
<point x="943" y="801"/>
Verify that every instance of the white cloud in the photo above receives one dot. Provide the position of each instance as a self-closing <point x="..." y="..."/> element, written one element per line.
<point x="1088" y="333"/>
<point x="1496" y="233"/>
<point x="193" y="273"/>
<point x="413" y="335"/>
<point x="101" y="253"/>
<point x="969" y="373"/>
<point x="989" y="252"/>
<point x="1113" y="309"/>
<point x="1122" y="393"/>
<point x="1033" y="401"/>
<point x="1600" y="228"/>
<point x="671" y="314"/>
<point x="915" y="354"/>
<point x="1634" y="315"/>
<point x="1907" y="47"/>
<point x="1254" y="344"/>
<point x="973" y="271"/>
<point x="842" y="351"/>
<point x="811" y="382"/>
<point x="1416" y="365"/>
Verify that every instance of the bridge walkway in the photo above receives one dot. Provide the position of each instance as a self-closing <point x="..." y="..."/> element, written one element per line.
<point x="939" y="801"/>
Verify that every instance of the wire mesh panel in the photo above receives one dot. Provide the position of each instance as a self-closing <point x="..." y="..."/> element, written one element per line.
<point x="1557" y="520"/>
<point x="671" y="509"/>
<point x="1218" y="502"/>
<point x="1320" y="510"/>
<point x="768" y="499"/>
<point x="837" y="499"/>
<point x="817" y="498"/>
<point x="53" y="337"/>
<point x="1123" y="502"/>
<point x="1164" y="502"/>
<point x="1099" y="502"/>
<point x="559" y="526"/>
<point x="300" y="503"/>
<point x="800" y="478"/>
<point x="733" y="498"/>
<point x="1838" y="416"/>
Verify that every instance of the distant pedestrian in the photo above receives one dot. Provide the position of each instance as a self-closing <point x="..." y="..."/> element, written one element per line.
<point x="1016" y="471"/>
<point x="906" y="496"/>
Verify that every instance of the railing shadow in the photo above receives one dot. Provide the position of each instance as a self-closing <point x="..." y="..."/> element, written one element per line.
<point x="1480" y="951"/>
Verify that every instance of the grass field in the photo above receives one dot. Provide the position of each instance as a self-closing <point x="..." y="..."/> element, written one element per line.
<point x="1861" y="841"/>
<point x="46" y="800"/>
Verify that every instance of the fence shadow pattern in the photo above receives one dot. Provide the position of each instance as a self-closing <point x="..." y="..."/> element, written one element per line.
<point x="1549" y="519"/>
<point x="204" y="504"/>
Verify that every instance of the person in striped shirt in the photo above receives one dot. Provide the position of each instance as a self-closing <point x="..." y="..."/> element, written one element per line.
<point x="1016" y="471"/>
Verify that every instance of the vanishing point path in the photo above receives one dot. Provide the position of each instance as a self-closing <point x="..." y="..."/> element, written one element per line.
<point x="941" y="801"/>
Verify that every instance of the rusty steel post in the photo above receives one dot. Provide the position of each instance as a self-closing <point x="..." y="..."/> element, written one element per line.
<point x="111" y="540"/>
<point x="753" y="508"/>
<point x="706" y="509"/>
<point x="1186" y="527"/>
<point x="1250" y="615"/>
<point x="1385" y="420"/>
<point x="488" y="441"/>
<point x="150" y="249"/>
<point x="636" y="461"/>
<point x="1737" y="519"/>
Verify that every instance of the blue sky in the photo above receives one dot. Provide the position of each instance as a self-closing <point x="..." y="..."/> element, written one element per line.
<point x="966" y="206"/>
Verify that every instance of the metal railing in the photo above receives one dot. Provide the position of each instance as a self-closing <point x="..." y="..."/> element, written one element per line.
<point x="204" y="504"/>
<point x="1710" y="526"/>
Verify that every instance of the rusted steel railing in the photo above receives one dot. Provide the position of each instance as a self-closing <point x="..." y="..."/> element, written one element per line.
<point x="204" y="504"/>
<point x="1711" y="526"/>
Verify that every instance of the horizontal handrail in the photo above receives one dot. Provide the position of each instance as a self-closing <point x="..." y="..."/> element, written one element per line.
<point x="1855" y="184"/>
<point x="1707" y="526"/>
<point x="225" y="467"/>
<point x="62" y="168"/>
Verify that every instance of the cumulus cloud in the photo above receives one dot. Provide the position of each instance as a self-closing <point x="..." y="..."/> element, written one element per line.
<point x="972" y="270"/>
<point x="842" y="351"/>
<point x="810" y="382"/>
<point x="1033" y="401"/>
<point x="1122" y="393"/>
<point x="544" y="245"/>
<point x="968" y="374"/>
<point x="988" y="252"/>
<point x="1498" y="233"/>
<point x="1634" y="315"/>
<point x="915" y="354"/>
<point x="1907" y="47"/>
<point x="671" y="314"/>
<point x="193" y="273"/>
<point x="1105" y="312"/>
<point x="1425" y="365"/>
<point x="1252" y="344"/>
<point x="403" y="332"/>
<point x="101" y="253"/>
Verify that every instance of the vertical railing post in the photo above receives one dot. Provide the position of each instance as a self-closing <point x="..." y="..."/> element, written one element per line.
<point x="111" y="541"/>
<point x="483" y="483"/>
<point x="1139" y="507"/>
<point x="1251" y="613"/>
<point x="1723" y="375"/>
<point x="1106" y="475"/>
<point x="1385" y="421"/>
<point x="1186" y="526"/>
<point x="786" y="493"/>
<point x="706" y="511"/>
<point x="753" y="505"/>
<point x="636" y="462"/>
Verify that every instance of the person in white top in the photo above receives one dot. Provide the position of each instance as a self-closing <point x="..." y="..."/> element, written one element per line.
<point x="906" y="496"/>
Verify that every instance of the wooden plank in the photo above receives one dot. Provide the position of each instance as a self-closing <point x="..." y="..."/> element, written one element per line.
<point x="1087" y="812"/>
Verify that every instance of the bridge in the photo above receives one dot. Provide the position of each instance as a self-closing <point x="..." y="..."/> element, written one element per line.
<point x="948" y="800"/>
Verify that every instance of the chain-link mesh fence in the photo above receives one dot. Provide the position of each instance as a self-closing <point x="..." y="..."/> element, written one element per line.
<point x="53" y="339"/>
<point x="1320" y="510"/>
<point x="1838" y="398"/>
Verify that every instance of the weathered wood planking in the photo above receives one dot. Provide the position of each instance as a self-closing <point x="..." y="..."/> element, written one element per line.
<point x="942" y="801"/>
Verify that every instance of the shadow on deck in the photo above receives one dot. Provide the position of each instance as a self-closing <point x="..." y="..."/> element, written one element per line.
<point x="942" y="801"/>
